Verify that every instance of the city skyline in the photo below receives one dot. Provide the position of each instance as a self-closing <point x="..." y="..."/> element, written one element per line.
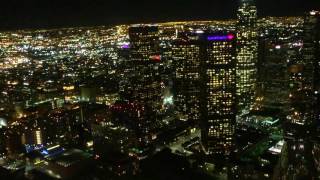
<point x="35" y="14"/>
<point x="232" y="96"/>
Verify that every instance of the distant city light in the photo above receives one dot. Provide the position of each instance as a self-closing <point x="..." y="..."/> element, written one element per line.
<point x="314" y="13"/>
<point x="241" y="89"/>
<point x="297" y="44"/>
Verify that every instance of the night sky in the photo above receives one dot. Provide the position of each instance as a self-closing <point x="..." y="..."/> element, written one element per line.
<point x="18" y="14"/>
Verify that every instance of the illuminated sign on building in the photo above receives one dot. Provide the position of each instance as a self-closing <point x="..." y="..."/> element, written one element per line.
<point x="227" y="37"/>
<point x="125" y="46"/>
<point x="156" y="58"/>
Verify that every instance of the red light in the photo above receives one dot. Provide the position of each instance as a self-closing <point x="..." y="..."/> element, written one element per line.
<point x="156" y="58"/>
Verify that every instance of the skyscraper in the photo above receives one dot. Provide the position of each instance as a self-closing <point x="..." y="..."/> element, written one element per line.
<point x="304" y="77"/>
<point x="145" y="78"/>
<point x="205" y="83"/>
<point x="246" y="54"/>
<point x="273" y="80"/>
<point x="218" y="92"/>
<point x="311" y="54"/>
<point x="186" y="61"/>
<point x="301" y="159"/>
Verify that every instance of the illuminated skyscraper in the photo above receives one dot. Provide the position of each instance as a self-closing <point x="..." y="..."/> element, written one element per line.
<point x="218" y="93"/>
<point x="145" y="78"/>
<point x="247" y="55"/>
<point x="205" y="84"/>
<point x="186" y="60"/>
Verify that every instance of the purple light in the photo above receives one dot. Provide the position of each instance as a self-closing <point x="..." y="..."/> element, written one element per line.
<point x="216" y="38"/>
<point x="221" y="38"/>
<point x="230" y="36"/>
<point x="125" y="46"/>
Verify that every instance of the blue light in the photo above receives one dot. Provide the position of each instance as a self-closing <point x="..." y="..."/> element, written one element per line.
<point x="227" y="37"/>
<point x="44" y="152"/>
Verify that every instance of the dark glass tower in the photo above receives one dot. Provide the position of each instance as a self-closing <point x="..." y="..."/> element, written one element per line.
<point x="145" y="79"/>
<point x="304" y="79"/>
<point x="300" y="155"/>
<point x="186" y="61"/>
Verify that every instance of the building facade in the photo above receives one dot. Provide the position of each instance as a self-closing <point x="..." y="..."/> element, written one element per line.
<point x="247" y="55"/>
<point x="145" y="79"/>
<point x="218" y="93"/>
<point x="186" y="61"/>
<point x="300" y="155"/>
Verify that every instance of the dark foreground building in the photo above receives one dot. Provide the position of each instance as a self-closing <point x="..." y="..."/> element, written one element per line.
<point x="300" y="156"/>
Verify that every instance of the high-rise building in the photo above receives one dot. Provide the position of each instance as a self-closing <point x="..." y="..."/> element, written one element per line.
<point x="144" y="64"/>
<point x="186" y="61"/>
<point x="311" y="54"/>
<point x="300" y="152"/>
<point x="304" y="77"/>
<point x="218" y="92"/>
<point x="205" y="85"/>
<point x="247" y="47"/>
<point x="273" y="80"/>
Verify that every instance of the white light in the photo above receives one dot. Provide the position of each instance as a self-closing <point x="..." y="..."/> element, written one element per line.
<point x="38" y="137"/>
<point x="199" y="31"/>
<point x="3" y="122"/>
<point x="168" y="100"/>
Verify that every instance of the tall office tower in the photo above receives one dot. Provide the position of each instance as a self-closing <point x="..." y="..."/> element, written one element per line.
<point x="145" y="80"/>
<point x="304" y="77"/>
<point x="311" y="55"/>
<point x="301" y="160"/>
<point x="247" y="55"/>
<point x="186" y="62"/>
<point x="218" y="93"/>
<point x="273" y="79"/>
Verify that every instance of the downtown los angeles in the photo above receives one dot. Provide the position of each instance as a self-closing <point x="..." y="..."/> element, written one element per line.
<point x="154" y="95"/>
